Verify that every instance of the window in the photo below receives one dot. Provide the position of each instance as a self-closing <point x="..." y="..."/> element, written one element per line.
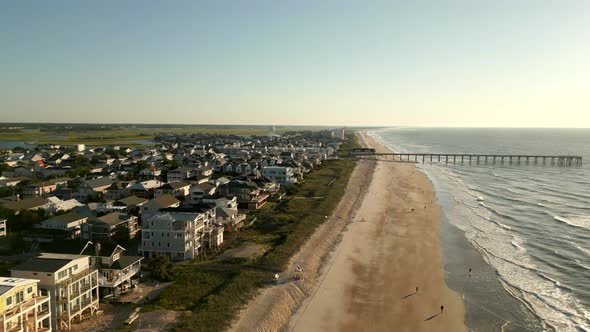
<point x="8" y="301"/>
<point x="29" y="290"/>
<point x="20" y="296"/>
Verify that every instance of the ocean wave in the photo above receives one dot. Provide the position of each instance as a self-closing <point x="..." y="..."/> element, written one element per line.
<point x="500" y="224"/>
<point x="576" y="221"/>
<point x="493" y="210"/>
<point x="555" y="282"/>
<point x="585" y="251"/>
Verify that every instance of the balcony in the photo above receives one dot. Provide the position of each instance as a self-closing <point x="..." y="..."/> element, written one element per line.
<point x="75" y="278"/>
<point x="118" y="278"/>
<point x="26" y="307"/>
<point x="15" y="329"/>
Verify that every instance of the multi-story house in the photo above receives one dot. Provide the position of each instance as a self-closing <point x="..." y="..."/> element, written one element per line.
<point x="177" y="189"/>
<point x="21" y="306"/>
<point x="174" y="234"/>
<point x="116" y="191"/>
<point x="180" y="174"/>
<point x="116" y="272"/>
<point x="199" y="191"/>
<point x="69" y="281"/>
<point x="69" y="223"/>
<point x="92" y="189"/>
<point x="144" y="189"/>
<point x="229" y="218"/>
<point x="113" y="226"/>
<point x="44" y="188"/>
<point x="248" y="194"/>
<point x="153" y="206"/>
<point x="279" y="174"/>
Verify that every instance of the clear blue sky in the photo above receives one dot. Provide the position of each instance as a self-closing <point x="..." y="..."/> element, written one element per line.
<point x="414" y="63"/>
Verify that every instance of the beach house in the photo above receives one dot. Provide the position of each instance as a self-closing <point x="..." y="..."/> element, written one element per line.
<point x="176" y="235"/>
<point x="22" y="308"/>
<point x="70" y="283"/>
<point x="116" y="272"/>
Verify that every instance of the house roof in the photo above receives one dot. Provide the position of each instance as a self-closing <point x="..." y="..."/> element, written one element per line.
<point x="67" y="218"/>
<point x="106" y="249"/>
<point x="125" y="261"/>
<point x="114" y="218"/>
<point x="181" y="169"/>
<point x="16" y="179"/>
<point x="226" y="212"/>
<point x="116" y="186"/>
<point x="99" y="182"/>
<point x="165" y="200"/>
<point x="174" y="185"/>
<point x="6" y="284"/>
<point x="132" y="201"/>
<point x="206" y="186"/>
<point x="38" y="264"/>
<point x="25" y="204"/>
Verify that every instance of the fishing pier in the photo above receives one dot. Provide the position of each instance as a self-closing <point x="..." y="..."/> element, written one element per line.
<point x="454" y="158"/>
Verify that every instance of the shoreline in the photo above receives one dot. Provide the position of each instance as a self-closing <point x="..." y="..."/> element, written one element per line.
<point x="364" y="264"/>
<point x="489" y="306"/>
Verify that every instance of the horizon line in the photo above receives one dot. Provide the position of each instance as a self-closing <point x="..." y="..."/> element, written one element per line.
<point x="282" y="125"/>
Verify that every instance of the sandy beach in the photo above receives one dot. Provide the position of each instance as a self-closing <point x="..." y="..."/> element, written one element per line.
<point x="363" y="265"/>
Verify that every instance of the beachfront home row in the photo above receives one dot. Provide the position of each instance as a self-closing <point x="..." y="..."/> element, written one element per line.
<point x="179" y="234"/>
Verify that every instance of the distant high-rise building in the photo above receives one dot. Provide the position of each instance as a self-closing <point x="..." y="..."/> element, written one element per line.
<point x="272" y="132"/>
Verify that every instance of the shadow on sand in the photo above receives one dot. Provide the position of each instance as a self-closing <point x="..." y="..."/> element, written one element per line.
<point x="432" y="317"/>
<point x="405" y="297"/>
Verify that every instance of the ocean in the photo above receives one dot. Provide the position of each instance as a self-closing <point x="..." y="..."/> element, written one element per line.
<point x="529" y="223"/>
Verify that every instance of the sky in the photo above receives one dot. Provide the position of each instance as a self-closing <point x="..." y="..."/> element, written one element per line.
<point x="345" y="63"/>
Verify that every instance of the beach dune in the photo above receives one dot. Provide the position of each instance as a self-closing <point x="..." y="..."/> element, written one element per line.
<point x="390" y="249"/>
<point x="364" y="264"/>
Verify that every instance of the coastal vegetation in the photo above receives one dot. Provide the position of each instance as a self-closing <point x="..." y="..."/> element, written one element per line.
<point x="127" y="136"/>
<point x="211" y="291"/>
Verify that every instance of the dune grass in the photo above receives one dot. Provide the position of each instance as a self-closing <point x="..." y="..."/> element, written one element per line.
<point x="211" y="292"/>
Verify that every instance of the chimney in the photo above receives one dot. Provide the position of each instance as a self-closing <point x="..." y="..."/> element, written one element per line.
<point x="97" y="249"/>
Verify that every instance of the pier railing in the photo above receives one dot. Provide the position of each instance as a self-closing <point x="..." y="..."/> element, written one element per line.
<point x="454" y="158"/>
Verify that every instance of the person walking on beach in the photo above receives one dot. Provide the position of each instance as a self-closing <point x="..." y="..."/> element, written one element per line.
<point x="442" y="309"/>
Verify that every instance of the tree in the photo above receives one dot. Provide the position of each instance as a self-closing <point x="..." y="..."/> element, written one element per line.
<point x="161" y="269"/>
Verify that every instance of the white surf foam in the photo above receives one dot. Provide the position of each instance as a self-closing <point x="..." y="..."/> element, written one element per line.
<point x="577" y="221"/>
